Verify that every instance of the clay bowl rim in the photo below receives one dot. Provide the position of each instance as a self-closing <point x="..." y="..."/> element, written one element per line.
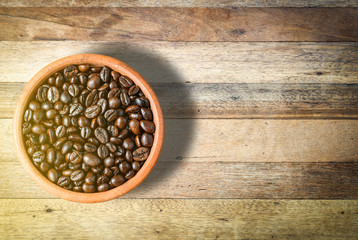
<point x="97" y="60"/>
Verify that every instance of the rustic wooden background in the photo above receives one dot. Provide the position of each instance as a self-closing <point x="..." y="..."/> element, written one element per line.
<point x="261" y="110"/>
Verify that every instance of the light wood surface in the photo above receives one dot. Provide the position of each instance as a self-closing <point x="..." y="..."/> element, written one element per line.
<point x="180" y="24"/>
<point x="260" y="106"/>
<point x="180" y="219"/>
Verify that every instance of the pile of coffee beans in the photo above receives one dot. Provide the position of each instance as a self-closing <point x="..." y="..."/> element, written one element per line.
<point x="88" y="128"/>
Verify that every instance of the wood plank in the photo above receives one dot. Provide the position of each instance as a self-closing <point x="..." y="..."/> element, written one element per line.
<point x="180" y="219"/>
<point x="180" y="24"/>
<point x="210" y="140"/>
<point x="204" y="62"/>
<point x="280" y="101"/>
<point x="182" y="3"/>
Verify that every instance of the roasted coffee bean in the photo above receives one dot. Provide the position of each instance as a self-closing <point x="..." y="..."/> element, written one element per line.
<point x="117" y="180"/>
<point x="43" y="138"/>
<point x="59" y="81"/>
<point x="44" y="147"/>
<point x="107" y="172"/>
<point x="34" y="105"/>
<point x="113" y="131"/>
<point x="133" y="90"/>
<point x="66" y="147"/>
<point x="75" y="157"/>
<point x="123" y="134"/>
<point x="108" y="162"/>
<point x="96" y="69"/>
<point x="67" y="172"/>
<point x="146" y="113"/>
<point x="101" y="134"/>
<point x="76" y="137"/>
<point x="70" y="71"/>
<point x="129" y="174"/>
<point x="66" y="121"/>
<point x="125" y="81"/>
<point x="114" y="102"/>
<point x="113" y="84"/>
<point x="136" y="166"/>
<point x="125" y="99"/>
<point x="116" y="141"/>
<point x="38" y="156"/>
<point x="94" y="123"/>
<point x="147" y="139"/>
<point x="141" y="154"/>
<point x="44" y="167"/>
<point x="51" y="114"/>
<point x="132" y="109"/>
<point x="102" y="151"/>
<point x="73" y="80"/>
<point x="134" y="126"/>
<point x="76" y="109"/>
<point x="74" y="121"/>
<point x="88" y="188"/>
<point x="94" y="81"/>
<point x="132" y="98"/>
<point x="48" y="123"/>
<point x="124" y="167"/>
<point x="136" y="116"/>
<point x="77" y="188"/>
<point x="84" y="67"/>
<point x="102" y="179"/>
<point x="115" y="75"/>
<point x="38" y="129"/>
<point x="63" y="181"/>
<point x="115" y="92"/>
<point x="28" y="115"/>
<point x="142" y="101"/>
<point x="137" y="141"/>
<point x="121" y="122"/>
<point x="147" y="126"/>
<point x="71" y="130"/>
<point x="60" y="131"/>
<point x="103" y="104"/>
<point x="92" y="111"/>
<point x="103" y="187"/>
<point x="33" y="138"/>
<point x="90" y="178"/>
<point x="53" y="175"/>
<point x="53" y="95"/>
<point x="92" y="98"/>
<point x="50" y="155"/>
<point x="75" y="166"/>
<point x="106" y="74"/>
<point x="86" y="132"/>
<point x="58" y="144"/>
<point x="42" y="93"/>
<point x="51" y="81"/>
<point x="45" y="106"/>
<point x="128" y="156"/>
<point x="90" y="147"/>
<point x="101" y="121"/>
<point x="77" y="175"/>
<point x="128" y="143"/>
<point x="111" y="147"/>
<point x="115" y="170"/>
<point x="26" y="128"/>
<point x="78" y="146"/>
<point x="91" y="159"/>
<point x="111" y="115"/>
<point x="65" y="86"/>
<point x="94" y="141"/>
<point x="83" y="122"/>
<point x="58" y="105"/>
<point x="38" y="116"/>
<point x="65" y="110"/>
<point x="98" y="169"/>
<point x="73" y="90"/>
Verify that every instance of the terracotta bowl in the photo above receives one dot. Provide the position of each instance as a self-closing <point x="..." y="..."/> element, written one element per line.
<point x="98" y="60"/>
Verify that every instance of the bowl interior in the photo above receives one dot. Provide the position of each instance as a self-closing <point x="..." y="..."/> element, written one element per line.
<point x="28" y="94"/>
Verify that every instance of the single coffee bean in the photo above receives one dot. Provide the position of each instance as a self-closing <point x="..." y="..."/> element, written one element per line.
<point x="103" y="104"/>
<point x="57" y="120"/>
<point x="78" y="146"/>
<point x="111" y="115"/>
<point x="65" y="110"/>
<point x="92" y="98"/>
<point x="136" y="166"/>
<point x="132" y="109"/>
<point x="83" y="79"/>
<point x="38" y="129"/>
<point x="42" y="93"/>
<point x="94" y="81"/>
<point x="129" y="174"/>
<point x="103" y="187"/>
<point x="146" y="113"/>
<point x="116" y="141"/>
<point x="142" y="101"/>
<point x="92" y="111"/>
<point x="50" y="155"/>
<point x="125" y="99"/>
<point x="45" y="106"/>
<point x="76" y="109"/>
<point x="34" y="105"/>
<point x="91" y="159"/>
<point x="134" y="126"/>
<point x="101" y="134"/>
<point x="137" y="141"/>
<point x="60" y="131"/>
<point x="83" y="122"/>
<point x="128" y="156"/>
<point x="38" y="156"/>
<point x="53" y="95"/>
<point x="51" y="135"/>
<point x="128" y="143"/>
<point x="58" y="105"/>
<point x="133" y="90"/>
<point x="147" y="139"/>
<point x="88" y="188"/>
<point x="59" y="81"/>
<point x="136" y="116"/>
<point x="113" y="131"/>
<point x="66" y="147"/>
<point x="70" y="71"/>
<point x="26" y="128"/>
<point x="108" y="162"/>
<point x="123" y="134"/>
<point x="90" y="147"/>
<point x="101" y="121"/>
<point x="98" y="169"/>
<point x="113" y="84"/>
<point x="43" y="138"/>
<point x="76" y="138"/>
<point x="77" y="175"/>
<point x="111" y="147"/>
<point x="114" y="102"/>
<point x="115" y="75"/>
<point x="74" y="121"/>
<point x="75" y="157"/>
<point x="67" y="172"/>
<point x="28" y="115"/>
<point x="90" y="178"/>
<point x="147" y="126"/>
<point x="115" y="170"/>
<point x="44" y="167"/>
<point x="125" y="81"/>
<point x="53" y="175"/>
<point x="44" y="147"/>
<point x="117" y="180"/>
<point x="102" y="179"/>
<point x="86" y="132"/>
<point x="73" y="90"/>
<point x="63" y="181"/>
<point x="141" y="154"/>
<point x="115" y="92"/>
<point x="94" y="141"/>
<point x="121" y="122"/>
<point x="102" y="151"/>
<point x="106" y="74"/>
<point x="84" y="67"/>
<point x="107" y="172"/>
<point x="38" y="116"/>
<point x="58" y="144"/>
<point x="124" y="167"/>
<point x="71" y="130"/>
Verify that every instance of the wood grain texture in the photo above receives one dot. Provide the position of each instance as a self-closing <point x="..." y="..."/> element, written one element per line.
<point x="181" y="3"/>
<point x="204" y="62"/>
<point x="180" y="219"/>
<point x="179" y="24"/>
<point x="214" y="140"/>
<point x="237" y="100"/>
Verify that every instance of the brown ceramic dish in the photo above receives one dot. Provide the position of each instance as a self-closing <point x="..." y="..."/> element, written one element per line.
<point x="98" y="60"/>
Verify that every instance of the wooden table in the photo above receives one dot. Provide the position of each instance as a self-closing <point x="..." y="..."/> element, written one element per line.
<point x="261" y="106"/>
